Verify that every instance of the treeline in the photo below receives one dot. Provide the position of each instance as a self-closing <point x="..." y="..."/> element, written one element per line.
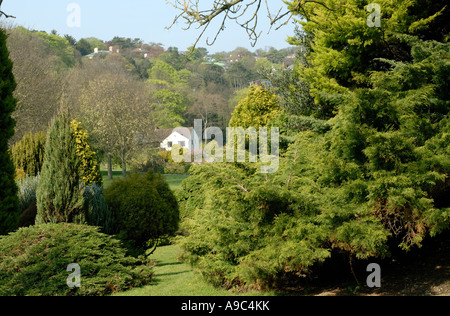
<point x="51" y="70"/>
<point x="121" y="90"/>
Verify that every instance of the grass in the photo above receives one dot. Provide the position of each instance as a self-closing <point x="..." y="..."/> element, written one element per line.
<point x="175" y="278"/>
<point x="106" y="181"/>
<point x="174" y="180"/>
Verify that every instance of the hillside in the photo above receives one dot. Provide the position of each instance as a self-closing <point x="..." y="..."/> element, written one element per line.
<point x="182" y="85"/>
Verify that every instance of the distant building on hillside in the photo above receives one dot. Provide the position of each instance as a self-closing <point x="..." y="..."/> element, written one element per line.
<point x="166" y="138"/>
<point x="97" y="51"/>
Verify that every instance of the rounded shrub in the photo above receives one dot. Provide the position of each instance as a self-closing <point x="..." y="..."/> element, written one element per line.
<point x="145" y="208"/>
<point x="34" y="261"/>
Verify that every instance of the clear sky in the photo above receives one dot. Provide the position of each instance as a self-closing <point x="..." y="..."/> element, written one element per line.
<point x="144" y="19"/>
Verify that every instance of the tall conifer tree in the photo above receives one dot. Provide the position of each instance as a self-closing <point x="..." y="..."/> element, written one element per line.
<point x="60" y="194"/>
<point x="9" y="202"/>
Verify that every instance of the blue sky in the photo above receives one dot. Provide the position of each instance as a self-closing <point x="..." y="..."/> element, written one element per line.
<point x="144" y="19"/>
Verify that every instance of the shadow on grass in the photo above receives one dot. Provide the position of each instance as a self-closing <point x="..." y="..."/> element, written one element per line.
<point x="162" y="264"/>
<point x="157" y="275"/>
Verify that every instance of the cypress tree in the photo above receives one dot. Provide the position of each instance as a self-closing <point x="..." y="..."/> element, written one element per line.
<point x="60" y="193"/>
<point x="9" y="202"/>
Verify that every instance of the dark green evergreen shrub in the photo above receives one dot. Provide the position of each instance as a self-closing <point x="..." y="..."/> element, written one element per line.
<point x="245" y="230"/>
<point x="28" y="153"/>
<point x="9" y="204"/>
<point x="34" y="260"/>
<point x="145" y="208"/>
<point x="60" y="192"/>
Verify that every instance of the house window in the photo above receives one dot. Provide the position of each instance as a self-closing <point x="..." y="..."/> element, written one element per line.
<point x="169" y="144"/>
<point x="182" y="144"/>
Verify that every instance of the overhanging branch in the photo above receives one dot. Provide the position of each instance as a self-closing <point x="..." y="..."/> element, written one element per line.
<point x="3" y="13"/>
<point x="228" y="9"/>
<point x="236" y="10"/>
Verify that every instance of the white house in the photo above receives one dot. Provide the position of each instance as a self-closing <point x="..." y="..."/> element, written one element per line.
<point x="97" y="51"/>
<point x="183" y="136"/>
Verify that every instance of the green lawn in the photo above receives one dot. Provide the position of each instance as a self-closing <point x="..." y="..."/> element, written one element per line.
<point x="175" y="278"/>
<point x="106" y="181"/>
<point x="174" y="180"/>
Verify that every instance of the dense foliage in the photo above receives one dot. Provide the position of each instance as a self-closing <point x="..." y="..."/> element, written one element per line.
<point x="372" y="176"/>
<point x="255" y="110"/>
<point x="245" y="229"/>
<point x="28" y="153"/>
<point x="9" y="204"/>
<point x="34" y="261"/>
<point x="144" y="207"/>
<point x="89" y="169"/>
<point x="345" y="50"/>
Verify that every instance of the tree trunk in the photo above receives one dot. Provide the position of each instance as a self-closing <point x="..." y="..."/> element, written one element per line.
<point x="124" y="165"/>
<point x="110" y="174"/>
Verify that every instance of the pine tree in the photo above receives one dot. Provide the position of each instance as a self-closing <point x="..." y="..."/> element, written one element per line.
<point x="60" y="193"/>
<point x="9" y="202"/>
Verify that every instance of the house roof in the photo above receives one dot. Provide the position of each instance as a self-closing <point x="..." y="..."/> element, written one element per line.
<point x="185" y="131"/>
<point x="160" y="134"/>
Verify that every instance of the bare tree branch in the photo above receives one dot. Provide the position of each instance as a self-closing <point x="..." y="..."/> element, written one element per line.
<point x="6" y="15"/>
<point x="230" y="10"/>
<point x="236" y="10"/>
<point x="3" y="13"/>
